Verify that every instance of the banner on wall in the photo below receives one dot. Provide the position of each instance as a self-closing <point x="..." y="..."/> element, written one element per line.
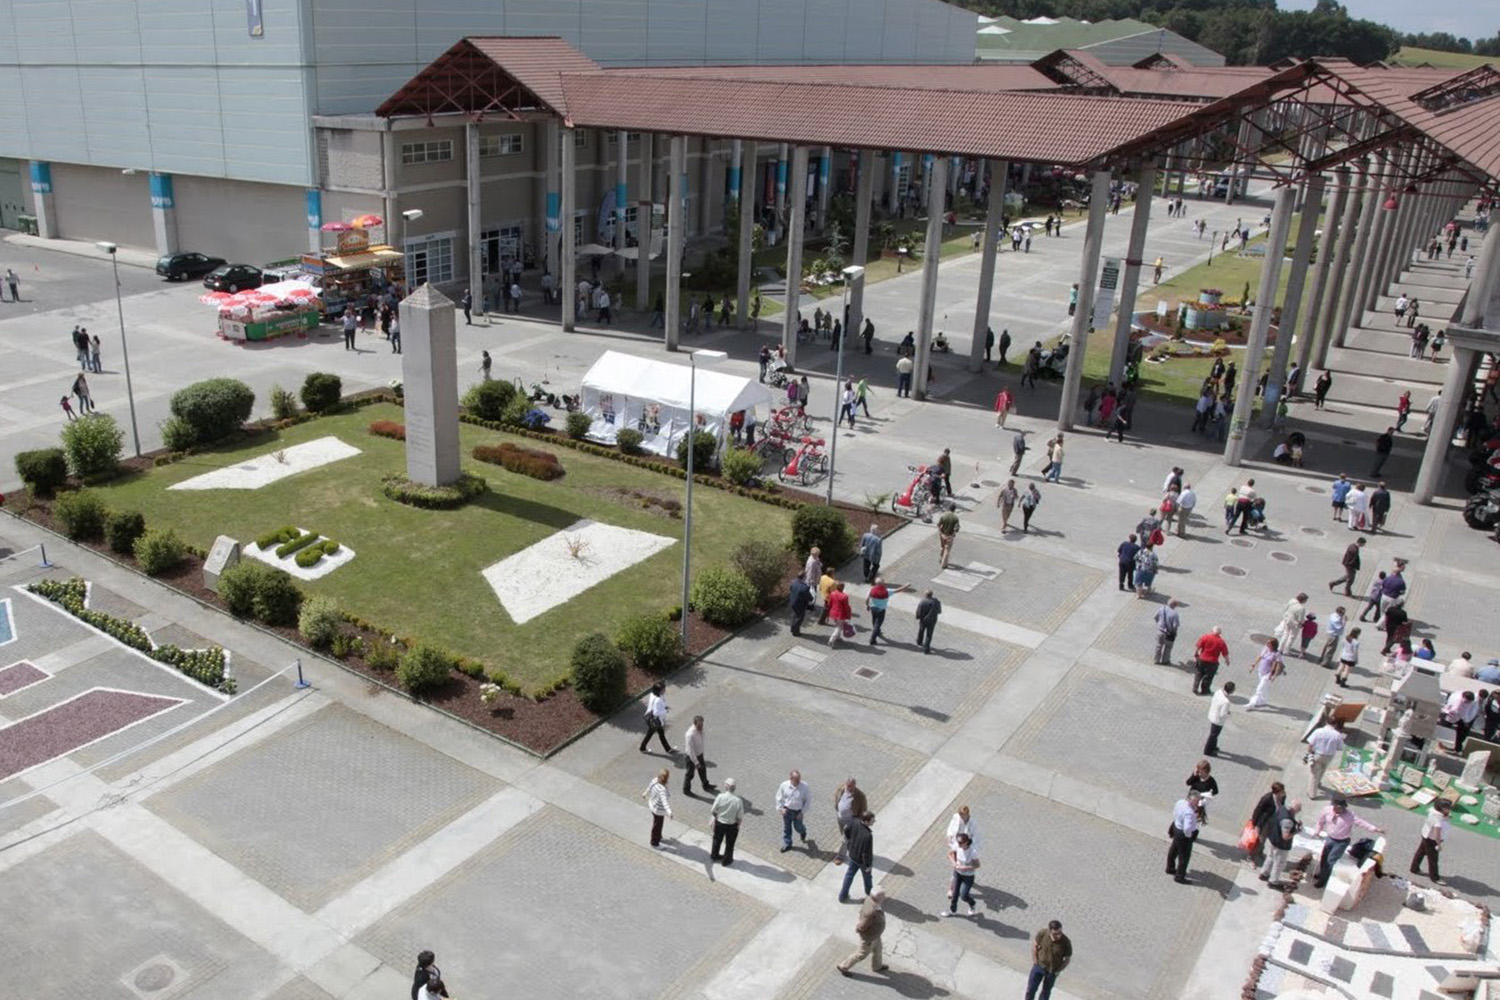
<point x="161" y="191"/>
<point x="1104" y="301"/>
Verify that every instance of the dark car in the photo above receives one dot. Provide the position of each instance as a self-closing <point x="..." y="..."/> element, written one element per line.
<point x="234" y="278"/>
<point x="176" y="266"/>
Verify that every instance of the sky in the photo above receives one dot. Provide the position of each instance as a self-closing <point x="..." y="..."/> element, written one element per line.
<point x="1465" y="18"/>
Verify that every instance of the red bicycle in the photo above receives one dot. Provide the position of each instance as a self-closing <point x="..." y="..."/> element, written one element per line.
<point x="807" y="464"/>
<point x="773" y="445"/>
<point x="790" y="421"/>
<point x="917" y="497"/>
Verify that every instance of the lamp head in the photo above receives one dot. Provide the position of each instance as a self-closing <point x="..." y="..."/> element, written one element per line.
<point x="106" y="246"/>
<point x="853" y="271"/>
<point x="707" y="357"/>
<point x="412" y="214"/>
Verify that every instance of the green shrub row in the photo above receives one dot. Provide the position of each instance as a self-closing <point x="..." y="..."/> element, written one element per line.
<point x="577" y="425"/>
<point x="521" y="460"/>
<point x="739" y="465"/>
<point x="599" y="673"/>
<point x="629" y="439"/>
<point x="207" y="666"/>
<point x="296" y="544"/>
<point x="652" y="642"/>
<point x="82" y="515"/>
<point x="122" y="529"/>
<point x="276" y="537"/>
<point x="314" y="554"/>
<point x="403" y="490"/>
<point x="319" y="620"/>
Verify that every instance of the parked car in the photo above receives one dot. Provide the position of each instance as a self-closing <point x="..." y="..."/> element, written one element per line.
<point x="234" y="278"/>
<point x="176" y="266"/>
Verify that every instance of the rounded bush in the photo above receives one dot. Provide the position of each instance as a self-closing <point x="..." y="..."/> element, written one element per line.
<point x="724" y="597"/>
<point x="93" y="445"/>
<point x="239" y="584"/>
<point x="739" y="465"/>
<point x="81" y="514"/>
<point x="704" y="447"/>
<point x="488" y="400"/>
<point x="652" y="643"/>
<point x="423" y="667"/>
<point x="599" y="672"/>
<point x="578" y="425"/>
<point x="177" y="434"/>
<point x="277" y="598"/>
<point x="321" y="391"/>
<point x="319" y="621"/>
<point x="764" y="564"/>
<point x="825" y="527"/>
<point x="159" y="551"/>
<point x="122" y="529"/>
<point x="629" y="439"/>
<point x="213" y="408"/>
<point x="43" y="470"/>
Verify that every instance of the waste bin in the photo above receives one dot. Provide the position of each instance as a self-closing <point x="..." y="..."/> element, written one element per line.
<point x="27" y="224"/>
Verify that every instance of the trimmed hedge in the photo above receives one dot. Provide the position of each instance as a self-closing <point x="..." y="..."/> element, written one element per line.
<point x="599" y="673"/>
<point x="82" y="514"/>
<point x="321" y="391"/>
<point x="278" y="599"/>
<point x="314" y="554"/>
<point x="403" y="490"/>
<point x="389" y="429"/>
<point x="296" y="544"/>
<point x="276" y="537"/>
<point x="43" y="470"/>
<point x="629" y="439"/>
<point x="214" y="408"/>
<point x="519" y="459"/>
<point x="159" y="551"/>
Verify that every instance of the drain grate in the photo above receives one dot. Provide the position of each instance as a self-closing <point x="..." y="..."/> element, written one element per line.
<point x="1232" y="570"/>
<point x="1243" y="543"/>
<point x="866" y="673"/>
<point x="1315" y="532"/>
<point x="1285" y="557"/>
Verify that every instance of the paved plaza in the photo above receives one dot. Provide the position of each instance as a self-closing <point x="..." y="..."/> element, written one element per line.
<point x="304" y="844"/>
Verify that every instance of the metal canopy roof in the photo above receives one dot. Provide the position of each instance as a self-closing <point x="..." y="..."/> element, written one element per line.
<point x="491" y="75"/>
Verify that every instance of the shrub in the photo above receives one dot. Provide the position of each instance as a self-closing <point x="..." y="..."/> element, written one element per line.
<point x="272" y="538"/>
<point x="296" y="544"/>
<point x="825" y="527"/>
<point x="310" y="557"/>
<point x="704" y="446"/>
<point x="577" y="425"/>
<point x="488" y="400"/>
<point x="81" y="514"/>
<point x="423" y="667"/>
<point x="177" y="434"/>
<point x="238" y="585"/>
<point x="764" y="565"/>
<point x="93" y="445"/>
<point x="277" y="598"/>
<point x="43" y="470"/>
<point x="343" y="645"/>
<point x="388" y="428"/>
<point x="319" y="621"/>
<point x="403" y="490"/>
<point x="321" y="391"/>
<point x="283" y="403"/>
<point x="724" y="597"/>
<point x="739" y="465"/>
<point x="382" y="656"/>
<point x="515" y="411"/>
<point x="598" y="670"/>
<point x="122" y="529"/>
<point x="159" y="551"/>
<point x="652" y="642"/>
<point x="518" y="459"/>
<point x="213" y="408"/>
<point x="629" y="439"/>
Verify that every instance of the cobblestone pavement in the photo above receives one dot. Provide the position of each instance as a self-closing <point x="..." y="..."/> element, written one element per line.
<point x="304" y="844"/>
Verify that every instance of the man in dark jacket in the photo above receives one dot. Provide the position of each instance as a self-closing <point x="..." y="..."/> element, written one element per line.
<point x="928" y="609"/>
<point x="1262" y="816"/>
<point x="1383" y="445"/>
<point x="859" y="848"/>
<point x="800" y="598"/>
<point x="1351" y="567"/>
<point x="1380" y="506"/>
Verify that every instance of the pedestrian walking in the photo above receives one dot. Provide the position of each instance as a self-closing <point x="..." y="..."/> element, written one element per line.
<point x="870" y="548"/>
<point x="1006" y="501"/>
<point x="1030" y="500"/>
<point x="466" y="303"/>
<point x="792" y="799"/>
<point x="1168" y="621"/>
<point x="1187" y="500"/>
<point x="1032" y="365"/>
<point x="964" y="857"/>
<point x="826" y="583"/>
<point x="484" y="364"/>
<point x="876" y="602"/>
<point x="1371" y="611"/>
<point x="1337" y="824"/>
<point x="659" y="800"/>
<point x="904" y="368"/>
<point x="928" y="610"/>
<point x="1339" y="496"/>
<point x="869" y="926"/>
<point x="1434" y="835"/>
<point x="692" y="757"/>
<point x="396" y="334"/>
<point x="862" y="394"/>
<point x="799" y="599"/>
<point x="427" y="974"/>
<point x="1289" y="630"/>
<point x="1403" y="411"/>
<point x="1266" y="668"/>
<point x="812" y="570"/>
<point x="947" y="530"/>
<point x="1125" y="554"/>
<point x="1348" y="657"/>
<point x="727" y="811"/>
<point x="848" y="403"/>
<point x="1333" y="635"/>
<point x="840" y="614"/>
<point x="656" y="717"/>
<point x="1380" y="506"/>
<point x="1004" y="346"/>
<point x="962" y="821"/>
<point x="1018" y="451"/>
<point x="349" y="327"/>
<point x="1207" y="652"/>
<point x="1218" y="716"/>
<point x="1279" y="835"/>
<point x="859" y="853"/>
<point x="1325" y="745"/>
<point x="1051" y="951"/>
<point x="67" y="408"/>
<point x="94" y="348"/>
<point x="1146" y="564"/>
<point x="1396" y="625"/>
<point x="1184" y="833"/>
<point x="1261" y="817"/>
<point x="848" y="804"/>
<point x="1005" y="402"/>
<point x="1054" y="460"/>
<point x="1320" y="389"/>
<point x="81" y="390"/>
<point x="1350" y="564"/>
<point x="14" y="283"/>
<point x="1383" y="445"/>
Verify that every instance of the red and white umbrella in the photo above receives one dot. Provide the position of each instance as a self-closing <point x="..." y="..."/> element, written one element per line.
<point x="215" y="298"/>
<point x="367" y="221"/>
<point x="335" y="227"/>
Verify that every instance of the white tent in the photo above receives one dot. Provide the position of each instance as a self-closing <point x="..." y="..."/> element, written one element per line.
<point x="622" y="390"/>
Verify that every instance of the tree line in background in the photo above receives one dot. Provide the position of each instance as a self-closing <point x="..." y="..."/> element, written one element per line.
<point x="1249" y="32"/>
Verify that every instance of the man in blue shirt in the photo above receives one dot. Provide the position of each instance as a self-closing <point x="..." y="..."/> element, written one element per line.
<point x="1184" y="832"/>
<point x="1126" y="552"/>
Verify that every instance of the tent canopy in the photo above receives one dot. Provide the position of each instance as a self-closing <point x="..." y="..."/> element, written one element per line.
<point x="717" y="392"/>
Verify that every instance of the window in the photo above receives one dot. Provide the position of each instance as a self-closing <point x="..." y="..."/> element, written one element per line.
<point x="580" y="138"/>
<point x="429" y="259"/>
<point x="427" y="152"/>
<point x="614" y="137"/>
<point x="501" y="145"/>
<point x="578" y="221"/>
<point x="498" y="247"/>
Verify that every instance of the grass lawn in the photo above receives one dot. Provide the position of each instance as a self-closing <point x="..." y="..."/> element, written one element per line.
<point x="1408" y="56"/>
<point x="417" y="572"/>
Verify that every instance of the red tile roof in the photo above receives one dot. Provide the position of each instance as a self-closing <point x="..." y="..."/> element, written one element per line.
<point x="987" y="77"/>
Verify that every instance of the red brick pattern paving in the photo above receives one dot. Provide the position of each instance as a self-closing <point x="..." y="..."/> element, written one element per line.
<point x="19" y="675"/>
<point x="78" y="722"/>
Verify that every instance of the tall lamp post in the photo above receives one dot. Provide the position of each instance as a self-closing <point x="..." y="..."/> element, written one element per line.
<point x="408" y="216"/>
<point x="852" y="273"/>
<point x="707" y="357"/>
<point x="114" y="259"/>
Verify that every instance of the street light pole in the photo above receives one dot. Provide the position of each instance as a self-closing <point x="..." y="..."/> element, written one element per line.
<point x="852" y="273"/>
<point x="114" y="258"/>
<point x="410" y="215"/>
<point x="687" y="514"/>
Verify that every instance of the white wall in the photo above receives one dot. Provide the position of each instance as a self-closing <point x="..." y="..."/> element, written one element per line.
<point x="269" y="220"/>
<point x="100" y="203"/>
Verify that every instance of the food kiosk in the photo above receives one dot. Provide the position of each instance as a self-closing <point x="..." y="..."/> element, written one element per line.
<point x="352" y="271"/>
<point x="267" y="312"/>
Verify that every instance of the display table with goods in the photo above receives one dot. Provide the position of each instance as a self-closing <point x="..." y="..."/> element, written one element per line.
<point x="267" y="312"/>
<point x="1476" y="806"/>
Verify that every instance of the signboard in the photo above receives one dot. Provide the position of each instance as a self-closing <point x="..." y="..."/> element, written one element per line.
<point x="41" y="177"/>
<point x="314" y="209"/>
<point x="161" y="191"/>
<point x="1104" y="301"/>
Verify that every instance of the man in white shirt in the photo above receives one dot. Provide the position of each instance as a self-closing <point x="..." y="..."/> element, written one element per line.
<point x="1334" y="638"/>
<point x="1325" y="744"/>
<point x="962" y="821"/>
<point x="1462" y="665"/>
<point x="1218" y="715"/>
<point x="1461" y="709"/>
<point x="792" y="800"/>
<point x="1434" y="834"/>
<point x="656" y="717"/>
<point x="1186" y="501"/>
<point x="693" y="757"/>
<point x="1184" y="832"/>
<point x="727" y="811"/>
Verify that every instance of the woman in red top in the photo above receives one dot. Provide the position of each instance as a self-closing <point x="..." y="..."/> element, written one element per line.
<point x="1403" y="409"/>
<point x="839" y="613"/>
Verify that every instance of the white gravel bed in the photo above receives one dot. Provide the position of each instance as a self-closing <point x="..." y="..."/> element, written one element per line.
<point x="263" y="470"/>
<point x="542" y="576"/>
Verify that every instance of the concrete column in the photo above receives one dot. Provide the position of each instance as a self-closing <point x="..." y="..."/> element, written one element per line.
<point x="743" y="175"/>
<point x="644" y="213"/>
<point x="676" y="235"/>
<point x="1145" y="193"/>
<point x="989" y="254"/>
<point x="389" y="158"/>
<point x="1260" y="325"/>
<point x="315" y="220"/>
<point x="1435" y="451"/>
<point x="825" y="176"/>
<point x="1482" y="285"/>
<point x="43" y="202"/>
<point x="163" y="213"/>
<point x="897" y="159"/>
<point x="705" y="187"/>
<point x="795" y="226"/>
<point x="1242" y="140"/>
<point x="551" y="207"/>
<point x="1353" y="312"/>
<point x="859" y="250"/>
<point x="937" y="178"/>
<point x="1328" y="250"/>
<point x="1381" y="249"/>
<point x="429" y="376"/>
<point x="736" y="164"/>
<point x="1291" y="306"/>
<point x="1088" y="276"/>
<point x="472" y="184"/>
<point x="567" y="253"/>
<point x="781" y="169"/>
